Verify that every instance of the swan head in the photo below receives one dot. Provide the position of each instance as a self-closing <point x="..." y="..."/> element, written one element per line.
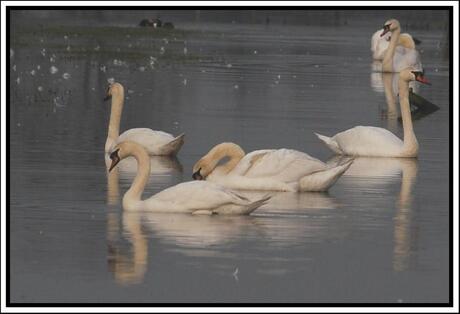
<point x="113" y="89"/>
<point x="123" y="150"/>
<point x="201" y="169"/>
<point x="410" y="74"/>
<point x="390" y="26"/>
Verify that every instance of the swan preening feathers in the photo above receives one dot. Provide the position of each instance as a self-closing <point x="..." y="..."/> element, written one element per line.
<point x="155" y="142"/>
<point x="379" y="142"/>
<point x="269" y="169"/>
<point x="193" y="197"/>
<point x="397" y="54"/>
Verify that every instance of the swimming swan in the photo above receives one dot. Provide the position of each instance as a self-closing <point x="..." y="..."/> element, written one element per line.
<point x="379" y="142"/>
<point x="269" y="169"/>
<point x="379" y="43"/>
<point x="156" y="142"/>
<point x="397" y="58"/>
<point x="188" y="197"/>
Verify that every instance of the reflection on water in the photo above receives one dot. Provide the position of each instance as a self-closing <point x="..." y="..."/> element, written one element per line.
<point x="376" y="171"/>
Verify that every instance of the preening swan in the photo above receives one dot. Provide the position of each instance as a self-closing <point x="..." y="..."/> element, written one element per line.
<point x="397" y="58"/>
<point x="269" y="169"/>
<point x="379" y="43"/>
<point x="155" y="142"/>
<point x="373" y="141"/>
<point x="188" y="197"/>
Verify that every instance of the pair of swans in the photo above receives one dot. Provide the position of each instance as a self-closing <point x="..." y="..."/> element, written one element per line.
<point x="399" y="52"/>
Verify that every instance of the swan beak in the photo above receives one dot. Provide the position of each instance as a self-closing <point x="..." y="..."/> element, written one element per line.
<point x="197" y="175"/>
<point x="107" y="97"/>
<point x="420" y="77"/>
<point x="386" y="29"/>
<point x="423" y="80"/>
<point x="115" y="159"/>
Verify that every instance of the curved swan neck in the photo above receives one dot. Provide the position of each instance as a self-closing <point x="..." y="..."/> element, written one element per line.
<point x="231" y="150"/>
<point x="410" y="141"/>
<point x="387" y="63"/>
<point x="115" y="114"/>
<point x="143" y="171"/>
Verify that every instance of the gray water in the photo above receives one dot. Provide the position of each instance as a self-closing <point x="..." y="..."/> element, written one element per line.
<point x="379" y="235"/>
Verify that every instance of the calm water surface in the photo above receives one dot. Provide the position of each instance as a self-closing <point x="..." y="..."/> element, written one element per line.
<point x="379" y="235"/>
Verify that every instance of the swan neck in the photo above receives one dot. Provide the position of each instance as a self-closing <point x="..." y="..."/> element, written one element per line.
<point x="134" y="193"/>
<point x="410" y="141"/>
<point x="387" y="65"/>
<point x="115" y="115"/>
<point x="233" y="151"/>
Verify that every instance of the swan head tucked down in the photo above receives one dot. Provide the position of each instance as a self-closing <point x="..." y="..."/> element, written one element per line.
<point x="208" y="163"/>
<point x="114" y="89"/>
<point x="390" y="26"/>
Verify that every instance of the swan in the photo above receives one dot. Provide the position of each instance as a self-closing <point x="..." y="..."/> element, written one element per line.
<point x="156" y="142"/>
<point x="379" y="142"/>
<point x="269" y="169"/>
<point x="379" y="43"/>
<point x="188" y="197"/>
<point x="397" y="58"/>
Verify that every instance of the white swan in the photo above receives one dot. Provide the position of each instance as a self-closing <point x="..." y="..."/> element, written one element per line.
<point x="379" y="43"/>
<point x="189" y="197"/>
<point x="156" y="142"/>
<point x="397" y="58"/>
<point x="269" y="169"/>
<point x="379" y="142"/>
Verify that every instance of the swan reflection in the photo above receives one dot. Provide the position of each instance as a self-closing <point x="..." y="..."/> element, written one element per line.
<point x="368" y="172"/>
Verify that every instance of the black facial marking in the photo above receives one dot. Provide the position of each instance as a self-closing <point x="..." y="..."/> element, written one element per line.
<point x="197" y="175"/>
<point x="114" y="154"/>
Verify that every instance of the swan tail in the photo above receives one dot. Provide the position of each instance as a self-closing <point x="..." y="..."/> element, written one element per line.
<point x="330" y="143"/>
<point x="322" y="180"/>
<point x="256" y="204"/>
<point x="174" y="146"/>
<point x="240" y="209"/>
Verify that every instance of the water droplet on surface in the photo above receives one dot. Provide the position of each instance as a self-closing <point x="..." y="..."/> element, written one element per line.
<point x="184" y="81"/>
<point x="235" y="86"/>
<point x="18" y="80"/>
<point x="32" y="72"/>
<point x="142" y="69"/>
<point x="102" y="68"/>
<point x="66" y="76"/>
<point x="111" y="80"/>
<point x="162" y="50"/>
<point x="40" y="89"/>
<point x="11" y="53"/>
<point x="229" y="65"/>
<point x="53" y="69"/>
<point x="255" y="52"/>
<point x="43" y="52"/>
<point x="185" y="50"/>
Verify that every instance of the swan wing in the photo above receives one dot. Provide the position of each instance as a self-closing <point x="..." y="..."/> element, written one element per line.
<point x="196" y="195"/>
<point x="152" y="140"/>
<point x="285" y="165"/>
<point x="406" y="57"/>
<point x="368" y="141"/>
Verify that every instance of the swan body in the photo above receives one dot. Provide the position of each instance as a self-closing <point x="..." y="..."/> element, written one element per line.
<point x="155" y="142"/>
<point x="189" y="197"/>
<point x="374" y="141"/>
<point x="397" y="58"/>
<point x="379" y="44"/>
<point x="269" y="169"/>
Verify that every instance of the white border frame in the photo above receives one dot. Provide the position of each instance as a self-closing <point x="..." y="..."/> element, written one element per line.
<point x="455" y="217"/>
